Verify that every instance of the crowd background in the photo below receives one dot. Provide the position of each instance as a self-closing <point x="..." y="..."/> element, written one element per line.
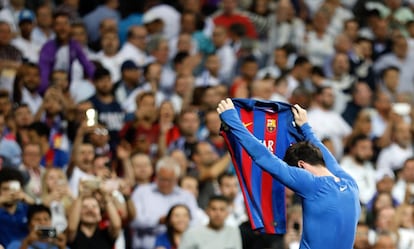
<point x="108" y="128"/>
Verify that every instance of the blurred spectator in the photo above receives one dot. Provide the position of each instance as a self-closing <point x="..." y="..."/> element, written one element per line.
<point x="10" y="57"/>
<point x="158" y="50"/>
<point x="10" y="13"/>
<point x="318" y="43"/>
<point x="109" y="56"/>
<point x="71" y="8"/>
<point x="241" y="86"/>
<point x="279" y="66"/>
<point x="389" y="81"/>
<point x="131" y="77"/>
<point x="405" y="225"/>
<point x="403" y="189"/>
<point x="216" y="234"/>
<point x="32" y="170"/>
<point x="43" y="31"/>
<point x="94" y="18"/>
<point x="57" y="196"/>
<point x="22" y="119"/>
<point x="107" y="25"/>
<point x="208" y="166"/>
<point x="385" y="241"/>
<point x="361" y="237"/>
<point x="337" y="129"/>
<point x="163" y="193"/>
<point x="183" y="95"/>
<point x="28" y="92"/>
<point x="83" y="221"/>
<point x="164" y="17"/>
<point x="209" y="77"/>
<point x="99" y="138"/>
<point x="191" y="184"/>
<point x="9" y="148"/>
<point x="142" y="170"/>
<point x="52" y="154"/>
<point x="177" y="221"/>
<point x="169" y="130"/>
<point x="285" y="28"/>
<point x="383" y="200"/>
<point x="38" y="217"/>
<point x="385" y="181"/>
<point x="213" y="122"/>
<point x="383" y="223"/>
<point x="394" y="155"/>
<point x="24" y="42"/>
<point x="135" y="47"/>
<point x="61" y="52"/>
<point x="299" y="75"/>
<point x="262" y="89"/>
<point x="142" y="132"/>
<point x="358" y="164"/>
<point x="109" y="110"/>
<point x="81" y="166"/>
<point x="225" y="53"/>
<point x="189" y="123"/>
<point x="229" y="14"/>
<point x="361" y="98"/>
<point x="229" y="188"/>
<point x="192" y="23"/>
<point x="13" y="206"/>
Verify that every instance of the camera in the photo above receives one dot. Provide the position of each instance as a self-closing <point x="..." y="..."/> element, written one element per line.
<point x="47" y="232"/>
<point x="92" y="184"/>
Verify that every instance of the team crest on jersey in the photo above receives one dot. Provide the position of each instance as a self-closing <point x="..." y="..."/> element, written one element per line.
<point x="271" y="125"/>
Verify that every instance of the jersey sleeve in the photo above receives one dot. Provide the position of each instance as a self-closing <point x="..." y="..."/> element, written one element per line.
<point x="330" y="161"/>
<point x="297" y="179"/>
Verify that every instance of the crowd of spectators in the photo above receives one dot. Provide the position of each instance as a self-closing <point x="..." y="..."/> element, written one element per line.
<point x="109" y="136"/>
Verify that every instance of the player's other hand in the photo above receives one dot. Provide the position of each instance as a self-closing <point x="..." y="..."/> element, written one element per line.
<point x="300" y="115"/>
<point x="224" y="105"/>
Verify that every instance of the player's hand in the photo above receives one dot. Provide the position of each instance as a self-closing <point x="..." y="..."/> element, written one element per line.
<point x="224" y="105"/>
<point x="300" y="115"/>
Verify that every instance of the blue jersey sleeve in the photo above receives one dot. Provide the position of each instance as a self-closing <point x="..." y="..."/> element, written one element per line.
<point x="297" y="179"/>
<point x="330" y="161"/>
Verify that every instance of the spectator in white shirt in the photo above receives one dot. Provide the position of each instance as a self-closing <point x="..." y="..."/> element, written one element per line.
<point x="43" y="30"/>
<point x="225" y="53"/>
<point x="357" y="163"/>
<point x="393" y="156"/>
<point x="29" y="92"/>
<point x="109" y="56"/>
<point x="24" y="42"/>
<point x="135" y="46"/>
<point x="404" y="187"/>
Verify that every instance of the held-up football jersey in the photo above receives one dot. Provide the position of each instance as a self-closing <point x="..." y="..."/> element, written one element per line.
<point x="272" y="123"/>
<point x="330" y="204"/>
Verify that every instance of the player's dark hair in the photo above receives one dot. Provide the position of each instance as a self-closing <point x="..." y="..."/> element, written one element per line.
<point x="304" y="151"/>
<point x="35" y="209"/>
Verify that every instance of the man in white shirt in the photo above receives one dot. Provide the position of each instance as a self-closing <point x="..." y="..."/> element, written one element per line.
<point x="405" y="182"/>
<point x="24" y="43"/>
<point x="109" y="56"/>
<point x="225" y="53"/>
<point x="357" y="163"/>
<point x="134" y="47"/>
<point x="393" y="156"/>
<point x="43" y="30"/>
<point x="327" y="123"/>
<point x="152" y="202"/>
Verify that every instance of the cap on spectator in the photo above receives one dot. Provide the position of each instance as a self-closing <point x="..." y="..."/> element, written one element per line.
<point x="26" y="15"/>
<point x="100" y="73"/>
<point x="128" y="64"/>
<point x="382" y="174"/>
<point x="150" y="17"/>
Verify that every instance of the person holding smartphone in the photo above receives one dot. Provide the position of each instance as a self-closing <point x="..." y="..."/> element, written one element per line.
<point x="41" y="234"/>
<point x="13" y="206"/>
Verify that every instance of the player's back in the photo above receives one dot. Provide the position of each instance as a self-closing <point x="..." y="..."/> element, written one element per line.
<point x="330" y="214"/>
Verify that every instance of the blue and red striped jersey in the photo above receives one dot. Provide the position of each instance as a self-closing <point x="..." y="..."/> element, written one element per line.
<point x="272" y="123"/>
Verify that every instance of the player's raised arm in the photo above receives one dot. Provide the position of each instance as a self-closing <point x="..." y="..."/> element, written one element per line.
<point x="301" y="120"/>
<point x="295" y="178"/>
